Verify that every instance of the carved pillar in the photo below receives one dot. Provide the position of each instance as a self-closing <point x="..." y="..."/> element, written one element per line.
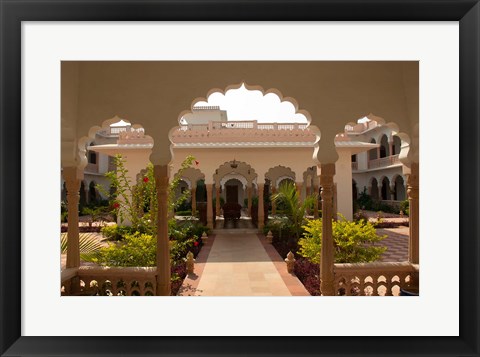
<point x="261" y="211"/>
<point x="392" y="192"/>
<point x="378" y="152"/>
<point x="194" y="200"/>
<point x="73" y="197"/>
<point x="163" y="244"/>
<point x="209" y="188"/>
<point x="327" y="254"/>
<point x="390" y="148"/>
<point x="335" y="209"/>
<point x="249" y="204"/>
<point x="413" y="195"/>
<point x="315" y="204"/>
<point x="217" y="199"/>
<point x="274" y="205"/>
<point x="299" y="190"/>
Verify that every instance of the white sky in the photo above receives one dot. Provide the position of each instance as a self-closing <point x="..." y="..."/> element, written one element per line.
<point x="244" y="104"/>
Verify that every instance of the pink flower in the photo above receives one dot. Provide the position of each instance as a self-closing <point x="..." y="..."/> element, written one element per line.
<point x="195" y="244"/>
<point x="145" y="179"/>
<point x="116" y="205"/>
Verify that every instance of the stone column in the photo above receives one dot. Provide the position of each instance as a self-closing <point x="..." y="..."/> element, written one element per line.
<point x="378" y="152"/>
<point x="390" y="148"/>
<point x="209" y="188"/>
<point x="249" y="204"/>
<point x="327" y="254"/>
<point x="274" y="205"/>
<point x="261" y="212"/>
<point x="70" y="174"/>
<point x="194" y="200"/>
<point x="335" y="205"/>
<point x="392" y="192"/>
<point x="163" y="243"/>
<point x="299" y="190"/>
<point x="315" y="204"/>
<point x="217" y="199"/>
<point x="413" y="196"/>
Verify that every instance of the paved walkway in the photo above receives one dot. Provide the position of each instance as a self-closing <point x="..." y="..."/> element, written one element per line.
<point x="238" y="263"/>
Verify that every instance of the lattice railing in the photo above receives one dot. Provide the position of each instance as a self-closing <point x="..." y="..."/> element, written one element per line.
<point x="384" y="161"/>
<point x="373" y="279"/>
<point x="106" y="281"/>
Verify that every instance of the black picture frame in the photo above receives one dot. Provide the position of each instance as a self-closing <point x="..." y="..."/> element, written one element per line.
<point x="467" y="12"/>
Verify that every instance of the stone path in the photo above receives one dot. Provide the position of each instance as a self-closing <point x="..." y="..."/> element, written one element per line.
<point x="396" y="243"/>
<point x="238" y="263"/>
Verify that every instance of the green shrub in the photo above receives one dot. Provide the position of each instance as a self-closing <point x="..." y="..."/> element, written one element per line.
<point x="183" y="213"/>
<point x="365" y="201"/>
<point x="353" y="241"/>
<point x="135" y="250"/>
<point x="277" y="225"/>
<point x="139" y="250"/>
<point x="405" y="207"/>
<point x="287" y="196"/>
<point x="115" y="232"/>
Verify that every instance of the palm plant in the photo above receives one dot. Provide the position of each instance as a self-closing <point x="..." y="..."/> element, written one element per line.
<point x="295" y="209"/>
<point x="89" y="245"/>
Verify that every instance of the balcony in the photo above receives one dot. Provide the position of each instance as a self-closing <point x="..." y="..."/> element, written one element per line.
<point x="92" y="168"/>
<point x="384" y="161"/>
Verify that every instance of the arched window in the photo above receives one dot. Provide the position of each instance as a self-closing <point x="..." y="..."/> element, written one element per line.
<point x="397" y="145"/>
<point x="374" y="189"/>
<point x="400" y="194"/>
<point x="385" y="189"/>
<point x="92" y="157"/>
<point x="92" y="193"/>
<point x="201" y="193"/>
<point x="354" y="190"/>
<point x="372" y="154"/>
<point x="384" y="148"/>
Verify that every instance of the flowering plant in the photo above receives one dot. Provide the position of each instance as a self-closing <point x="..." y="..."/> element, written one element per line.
<point x="136" y="203"/>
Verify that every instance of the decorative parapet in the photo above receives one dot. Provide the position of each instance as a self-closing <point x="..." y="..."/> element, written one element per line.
<point x="107" y="281"/>
<point x="360" y="127"/>
<point x="251" y="131"/>
<point x="206" y="107"/>
<point x="373" y="279"/>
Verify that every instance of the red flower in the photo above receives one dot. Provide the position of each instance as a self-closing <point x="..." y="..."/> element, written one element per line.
<point x="116" y="205"/>
<point x="196" y="162"/>
<point x="195" y="244"/>
<point x="145" y="179"/>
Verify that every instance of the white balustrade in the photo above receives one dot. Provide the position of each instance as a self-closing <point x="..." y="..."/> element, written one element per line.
<point x="384" y="161"/>
<point x="373" y="279"/>
<point x="106" y="281"/>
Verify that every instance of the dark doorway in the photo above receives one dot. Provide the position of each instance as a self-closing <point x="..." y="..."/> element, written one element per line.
<point x="232" y="194"/>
